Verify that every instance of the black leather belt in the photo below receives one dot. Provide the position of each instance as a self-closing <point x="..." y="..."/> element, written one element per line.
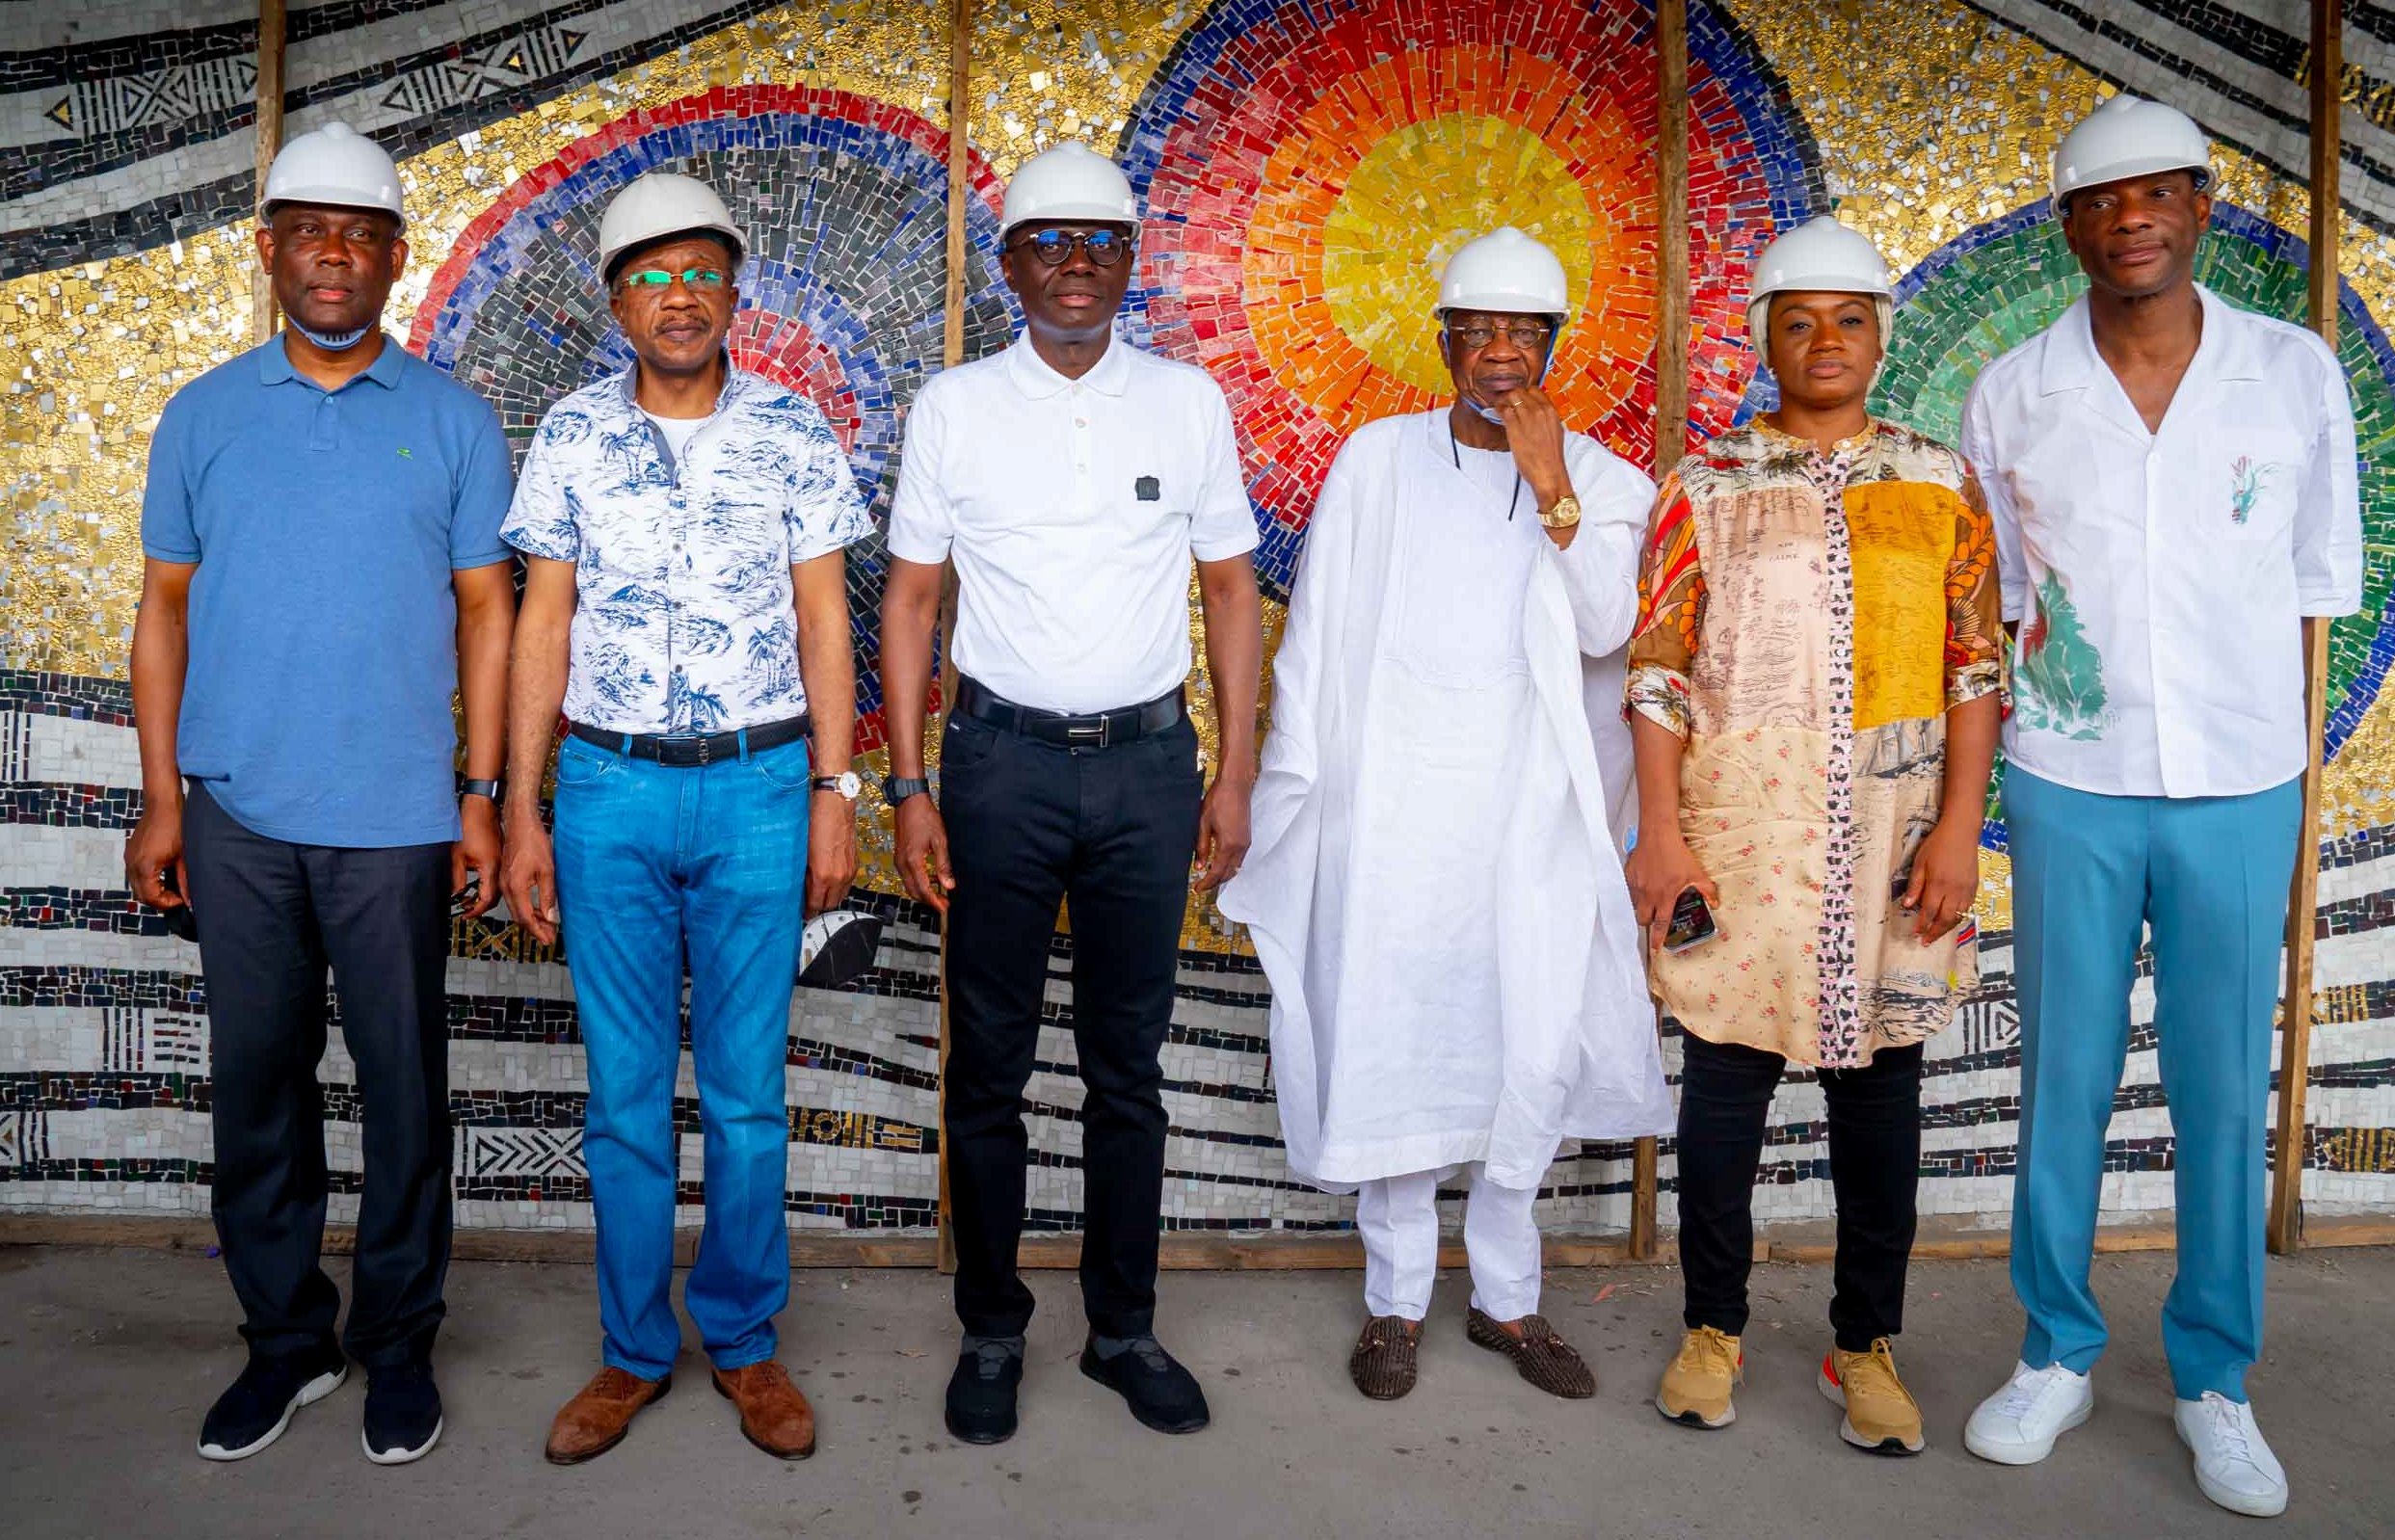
<point x="1099" y="729"/>
<point x="686" y="750"/>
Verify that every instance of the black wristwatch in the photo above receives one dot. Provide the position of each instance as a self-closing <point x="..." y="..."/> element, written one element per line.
<point x="482" y="788"/>
<point x="895" y="790"/>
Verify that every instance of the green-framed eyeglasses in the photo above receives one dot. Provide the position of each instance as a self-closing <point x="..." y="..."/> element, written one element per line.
<point x="698" y="279"/>
<point x="1055" y="247"/>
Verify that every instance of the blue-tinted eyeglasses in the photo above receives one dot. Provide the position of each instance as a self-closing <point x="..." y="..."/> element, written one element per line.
<point x="1055" y="247"/>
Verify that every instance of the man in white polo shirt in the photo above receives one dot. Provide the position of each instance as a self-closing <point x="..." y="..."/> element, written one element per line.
<point x="1072" y="477"/>
<point x="2173" y="482"/>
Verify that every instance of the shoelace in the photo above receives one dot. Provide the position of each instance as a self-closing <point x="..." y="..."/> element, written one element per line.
<point x="1704" y="1348"/>
<point x="2025" y="1392"/>
<point x="2228" y="1426"/>
<point x="1879" y="1368"/>
<point x="1150" y="1354"/>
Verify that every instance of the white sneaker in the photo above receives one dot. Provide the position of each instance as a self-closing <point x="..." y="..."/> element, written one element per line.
<point x="2019" y="1424"/>
<point x="2233" y="1465"/>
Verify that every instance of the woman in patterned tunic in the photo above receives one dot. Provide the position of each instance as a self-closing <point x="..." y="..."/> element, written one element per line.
<point x="1813" y="697"/>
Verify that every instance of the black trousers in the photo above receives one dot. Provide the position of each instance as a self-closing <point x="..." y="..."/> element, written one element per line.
<point x="1874" y="1167"/>
<point x="273" y="917"/>
<point x="1110" y="832"/>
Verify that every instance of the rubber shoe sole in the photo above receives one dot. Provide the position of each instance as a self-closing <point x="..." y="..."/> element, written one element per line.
<point x="1692" y="1417"/>
<point x="965" y="1436"/>
<point x="309" y="1393"/>
<point x="1890" y="1444"/>
<point x="403" y="1456"/>
<point x="2024" y="1453"/>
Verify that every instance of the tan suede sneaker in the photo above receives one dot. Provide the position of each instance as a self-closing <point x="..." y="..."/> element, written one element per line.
<point x="1696" y="1386"/>
<point x="1882" y="1415"/>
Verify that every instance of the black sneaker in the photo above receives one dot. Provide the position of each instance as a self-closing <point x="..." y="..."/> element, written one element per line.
<point x="1162" y="1394"/>
<point x="403" y="1413"/>
<point x="255" y="1408"/>
<point x="981" y="1392"/>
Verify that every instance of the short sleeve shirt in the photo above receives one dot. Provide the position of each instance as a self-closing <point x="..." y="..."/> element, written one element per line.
<point x="2158" y="576"/>
<point x="684" y="621"/>
<point x="322" y="623"/>
<point x="1073" y="508"/>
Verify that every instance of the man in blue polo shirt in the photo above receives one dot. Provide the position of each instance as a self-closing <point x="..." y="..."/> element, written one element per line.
<point x="324" y="567"/>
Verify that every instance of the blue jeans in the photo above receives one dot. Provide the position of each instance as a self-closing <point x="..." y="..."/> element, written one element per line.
<point x="652" y="862"/>
<point x="2209" y="875"/>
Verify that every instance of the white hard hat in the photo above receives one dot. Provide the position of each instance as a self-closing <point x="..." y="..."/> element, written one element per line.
<point x="662" y="203"/>
<point x="1071" y="181"/>
<point x="335" y="166"/>
<point x="1820" y="255"/>
<point x="1508" y="272"/>
<point x="2128" y="137"/>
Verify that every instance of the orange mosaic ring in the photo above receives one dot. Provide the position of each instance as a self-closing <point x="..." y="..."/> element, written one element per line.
<point x="1308" y="167"/>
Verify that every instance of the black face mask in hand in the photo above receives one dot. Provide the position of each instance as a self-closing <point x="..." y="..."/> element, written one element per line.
<point x="182" y="923"/>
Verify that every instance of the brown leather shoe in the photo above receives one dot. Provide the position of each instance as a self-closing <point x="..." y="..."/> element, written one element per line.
<point x="1383" y="1364"/>
<point x="773" y="1413"/>
<point x="1541" y="1356"/>
<point x="600" y="1414"/>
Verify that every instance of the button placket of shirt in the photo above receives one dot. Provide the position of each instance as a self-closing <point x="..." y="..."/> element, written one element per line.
<point x="1076" y="403"/>
<point x="2156" y="678"/>
<point x="324" y="425"/>
<point x="678" y="560"/>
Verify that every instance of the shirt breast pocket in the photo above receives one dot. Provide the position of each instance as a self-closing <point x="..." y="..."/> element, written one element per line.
<point x="2256" y="481"/>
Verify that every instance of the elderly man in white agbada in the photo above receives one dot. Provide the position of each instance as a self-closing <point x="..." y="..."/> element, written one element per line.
<point x="1434" y="886"/>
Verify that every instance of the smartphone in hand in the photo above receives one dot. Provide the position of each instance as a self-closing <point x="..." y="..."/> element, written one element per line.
<point x="1691" y="923"/>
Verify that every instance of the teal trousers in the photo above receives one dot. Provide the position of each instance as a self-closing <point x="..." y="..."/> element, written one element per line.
<point x="2209" y="875"/>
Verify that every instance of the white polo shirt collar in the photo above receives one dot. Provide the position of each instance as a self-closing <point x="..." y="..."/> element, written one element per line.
<point x="1033" y="376"/>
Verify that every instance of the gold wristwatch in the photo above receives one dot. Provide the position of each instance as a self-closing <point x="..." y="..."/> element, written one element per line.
<point x="1562" y="515"/>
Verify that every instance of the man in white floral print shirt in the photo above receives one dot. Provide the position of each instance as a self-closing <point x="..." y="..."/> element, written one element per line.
<point x="685" y="602"/>
<point x="2173" y="482"/>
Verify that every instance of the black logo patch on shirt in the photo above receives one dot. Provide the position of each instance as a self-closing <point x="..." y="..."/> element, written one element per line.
<point x="1147" y="488"/>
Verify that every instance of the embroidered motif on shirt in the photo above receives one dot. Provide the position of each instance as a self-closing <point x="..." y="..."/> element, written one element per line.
<point x="2246" y="483"/>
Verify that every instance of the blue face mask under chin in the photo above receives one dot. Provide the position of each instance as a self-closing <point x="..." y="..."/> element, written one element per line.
<point x="331" y="341"/>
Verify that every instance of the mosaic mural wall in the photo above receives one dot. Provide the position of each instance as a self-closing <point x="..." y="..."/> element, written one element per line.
<point x="1307" y="165"/>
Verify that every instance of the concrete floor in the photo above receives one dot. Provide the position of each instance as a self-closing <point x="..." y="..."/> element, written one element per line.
<point x="108" y="1359"/>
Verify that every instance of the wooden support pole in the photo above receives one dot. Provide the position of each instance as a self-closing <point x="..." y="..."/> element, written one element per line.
<point x="1671" y="391"/>
<point x="959" y="252"/>
<point x="270" y="36"/>
<point x="2295" y="1043"/>
<point x="1671" y="234"/>
<point x="960" y="174"/>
